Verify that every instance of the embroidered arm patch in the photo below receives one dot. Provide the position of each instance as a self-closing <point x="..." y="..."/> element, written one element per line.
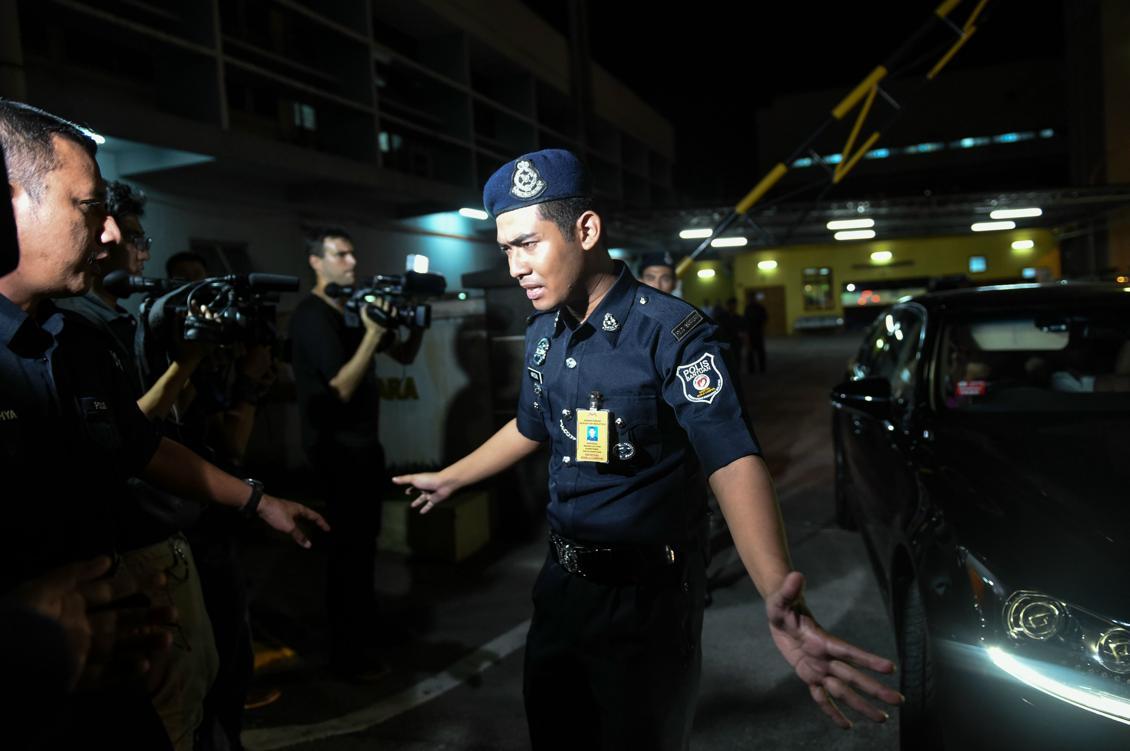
<point x="687" y="325"/>
<point x="701" y="379"/>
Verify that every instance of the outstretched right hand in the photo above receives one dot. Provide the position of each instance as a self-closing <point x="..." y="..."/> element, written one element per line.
<point x="432" y="486"/>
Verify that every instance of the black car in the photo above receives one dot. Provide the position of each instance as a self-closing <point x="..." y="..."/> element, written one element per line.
<point x="982" y="447"/>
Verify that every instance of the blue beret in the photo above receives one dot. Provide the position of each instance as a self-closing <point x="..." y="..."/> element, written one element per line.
<point x="540" y="177"/>
<point x="657" y="259"/>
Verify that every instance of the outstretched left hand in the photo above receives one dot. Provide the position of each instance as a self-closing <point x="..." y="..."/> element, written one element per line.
<point x="283" y="515"/>
<point x="832" y="668"/>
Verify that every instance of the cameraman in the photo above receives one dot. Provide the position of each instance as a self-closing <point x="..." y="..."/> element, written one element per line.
<point x="339" y="400"/>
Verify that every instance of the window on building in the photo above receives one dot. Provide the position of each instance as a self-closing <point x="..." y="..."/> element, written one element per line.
<point x="817" y="286"/>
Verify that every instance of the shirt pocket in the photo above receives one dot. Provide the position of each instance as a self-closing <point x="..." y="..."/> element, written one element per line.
<point x="100" y="423"/>
<point x="636" y="439"/>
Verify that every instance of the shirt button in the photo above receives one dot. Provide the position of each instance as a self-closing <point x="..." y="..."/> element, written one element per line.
<point x="570" y="363"/>
<point x="537" y="406"/>
<point x="619" y="422"/>
<point x="566" y="459"/>
<point x="567" y="413"/>
<point x="643" y="299"/>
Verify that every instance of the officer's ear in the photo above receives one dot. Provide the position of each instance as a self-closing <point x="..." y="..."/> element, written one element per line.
<point x="315" y="263"/>
<point x="589" y="230"/>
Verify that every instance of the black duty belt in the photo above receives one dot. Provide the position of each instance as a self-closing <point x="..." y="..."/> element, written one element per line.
<point x="614" y="564"/>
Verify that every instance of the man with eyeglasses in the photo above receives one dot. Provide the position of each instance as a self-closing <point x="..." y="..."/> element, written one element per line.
<point x="151" y="521"/>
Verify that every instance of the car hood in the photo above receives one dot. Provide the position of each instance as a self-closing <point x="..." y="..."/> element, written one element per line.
<point x="1043" y="501"/>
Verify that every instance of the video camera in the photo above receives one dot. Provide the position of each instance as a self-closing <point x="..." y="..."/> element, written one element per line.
<point x="400" y="291"/>
<point x="217" y="310"/>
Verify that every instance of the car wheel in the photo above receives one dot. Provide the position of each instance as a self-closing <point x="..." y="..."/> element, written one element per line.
<point x="844" y="517"/>
<point x="919" y="728"/>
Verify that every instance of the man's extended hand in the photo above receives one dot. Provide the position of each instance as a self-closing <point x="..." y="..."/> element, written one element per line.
<point x="831" y="667"/>
<point x="433" y="489"/>
<point x="283" y="515"/>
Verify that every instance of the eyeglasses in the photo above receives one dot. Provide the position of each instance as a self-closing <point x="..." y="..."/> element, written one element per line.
<point x="139" y="241"/>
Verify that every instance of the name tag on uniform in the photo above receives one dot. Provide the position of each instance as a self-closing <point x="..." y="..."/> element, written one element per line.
<point x="592" y="435"/>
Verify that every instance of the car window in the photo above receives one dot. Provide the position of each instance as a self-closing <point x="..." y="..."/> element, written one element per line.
<point x="1062" y="359"/>
<point x="890" y="348"/>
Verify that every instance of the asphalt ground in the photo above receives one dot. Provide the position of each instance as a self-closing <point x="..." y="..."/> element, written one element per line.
<point x="455" y="631"/>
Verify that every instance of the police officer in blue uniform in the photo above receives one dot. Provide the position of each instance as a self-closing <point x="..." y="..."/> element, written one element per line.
<point x="628" y="387"/>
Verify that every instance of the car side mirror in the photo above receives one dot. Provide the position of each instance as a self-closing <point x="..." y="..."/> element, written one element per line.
<point x="871" y="395"/>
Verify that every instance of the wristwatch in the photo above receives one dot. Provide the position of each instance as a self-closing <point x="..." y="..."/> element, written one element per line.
<point x="250" y="508"/>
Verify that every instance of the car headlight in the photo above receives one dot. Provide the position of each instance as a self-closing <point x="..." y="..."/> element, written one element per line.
<point x="1062" y="649"/>
<point x="1033" y="620"/>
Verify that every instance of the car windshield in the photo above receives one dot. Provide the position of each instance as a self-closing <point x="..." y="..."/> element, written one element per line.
<point x="1063" y="359"/>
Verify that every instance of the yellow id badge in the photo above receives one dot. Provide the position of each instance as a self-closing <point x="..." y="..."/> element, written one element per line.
<point x="592" y="435"/>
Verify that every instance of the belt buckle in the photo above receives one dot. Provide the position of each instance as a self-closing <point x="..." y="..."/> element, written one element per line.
<point x="566" y="555"/>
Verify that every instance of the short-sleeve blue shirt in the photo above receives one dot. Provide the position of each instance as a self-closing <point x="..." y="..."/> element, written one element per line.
<point x="656" y="362"/>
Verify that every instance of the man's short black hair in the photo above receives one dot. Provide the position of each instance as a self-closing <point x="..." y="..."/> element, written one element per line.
<point x="123" y="200"/>
<point x="316" y="236"/>
<point x="185" y="256"/>
<point x="565" y="213"/>
<point x="27" y="134"/>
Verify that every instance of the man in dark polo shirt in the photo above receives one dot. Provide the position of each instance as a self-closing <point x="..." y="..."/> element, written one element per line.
<point x="339" y="400"/>
<point x="71" y="432"/>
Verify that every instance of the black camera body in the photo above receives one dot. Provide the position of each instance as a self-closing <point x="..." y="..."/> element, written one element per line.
<point x="401" y="292"/>
<point x="218" y="310"/>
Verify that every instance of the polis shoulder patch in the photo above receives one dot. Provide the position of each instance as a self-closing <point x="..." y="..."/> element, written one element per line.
<point x="701" y="379"/>
<point x="687" y="325"/>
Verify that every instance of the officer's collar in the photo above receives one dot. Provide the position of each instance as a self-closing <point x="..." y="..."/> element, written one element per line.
<point x="21" y="333"/>
<point x="610" y="315"/>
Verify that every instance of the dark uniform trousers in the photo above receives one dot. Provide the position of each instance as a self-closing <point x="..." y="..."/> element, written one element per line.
<point x="615" y="667"/>
<point x="354" y="479"/>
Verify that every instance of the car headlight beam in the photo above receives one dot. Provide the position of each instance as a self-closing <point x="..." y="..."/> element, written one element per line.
<point x="1093" y="700"/>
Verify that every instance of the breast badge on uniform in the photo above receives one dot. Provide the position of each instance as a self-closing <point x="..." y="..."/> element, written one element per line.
<point x="701" y="379"/>
<point x="540" y="351"/>
<point x="526" y="182"/>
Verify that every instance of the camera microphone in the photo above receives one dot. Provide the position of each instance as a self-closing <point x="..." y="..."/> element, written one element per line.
<point x="121" y="284"/>
<point x="272" y="282"/>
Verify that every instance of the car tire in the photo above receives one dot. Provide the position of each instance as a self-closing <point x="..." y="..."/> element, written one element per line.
<point x="919" y="727"/>
<point x="844" y="517"/>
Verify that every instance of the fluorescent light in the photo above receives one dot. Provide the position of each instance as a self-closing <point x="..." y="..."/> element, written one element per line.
<point x="696" y="234"/>
<point x="1015" y="213"/>
<point x="991" y="226"/>
<point x="706" y="273"/>
<point x="881" y="256"/>
<point x="766" y="265"/>
<point x="475" y="214"/>
<point x="855" y="234"/>
<point x="729" y="242"/>
<point x="418" y="263"/>
<point x="1080" y="695"/>
<point x="851" y="224"/>
<point x="1023" y="244"/>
